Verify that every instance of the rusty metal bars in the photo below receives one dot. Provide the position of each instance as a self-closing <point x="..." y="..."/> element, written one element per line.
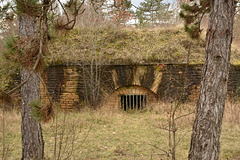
<point x="133" y="101"/>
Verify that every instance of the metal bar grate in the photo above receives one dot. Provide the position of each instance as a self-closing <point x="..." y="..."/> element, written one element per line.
<point x="133" y="101"/>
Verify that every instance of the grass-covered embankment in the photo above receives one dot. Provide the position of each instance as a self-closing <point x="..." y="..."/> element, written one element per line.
<point x="125" y="46"/>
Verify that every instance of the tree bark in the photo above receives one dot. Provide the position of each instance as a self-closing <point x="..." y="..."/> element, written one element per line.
<point x="205" y="142"/>
<point x="32" y="140"/>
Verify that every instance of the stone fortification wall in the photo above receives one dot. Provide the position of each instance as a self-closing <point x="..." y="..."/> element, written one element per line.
<point x="67" y="85"/>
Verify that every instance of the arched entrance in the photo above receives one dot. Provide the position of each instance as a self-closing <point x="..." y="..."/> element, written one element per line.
<point x="131" y="97"/>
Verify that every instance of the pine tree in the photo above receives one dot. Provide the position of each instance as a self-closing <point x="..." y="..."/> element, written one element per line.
<point x="153" y="12"/>
<point x="205" y="140"/>
<point x="121" y="11"/>
<point x="192" y="14"/>
<point x="32" y="140"/>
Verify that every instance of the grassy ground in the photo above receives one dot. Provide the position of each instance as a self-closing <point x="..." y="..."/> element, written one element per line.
<point x="108" y="134"/>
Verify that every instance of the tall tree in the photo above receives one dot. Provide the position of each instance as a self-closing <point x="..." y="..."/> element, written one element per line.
<point x="205" y="142"/>
<point x="120" y="11"/>
<point x="154" y="12"/>
<point x="32" y="140"/>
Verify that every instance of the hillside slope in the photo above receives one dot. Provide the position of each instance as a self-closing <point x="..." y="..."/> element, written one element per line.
<point x="125" y="46"/>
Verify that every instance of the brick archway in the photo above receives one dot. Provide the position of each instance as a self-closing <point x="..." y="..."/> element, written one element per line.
<point x="135" y="95"/>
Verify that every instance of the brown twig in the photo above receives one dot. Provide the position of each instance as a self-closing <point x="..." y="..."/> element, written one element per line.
<point x="166" y="152"/>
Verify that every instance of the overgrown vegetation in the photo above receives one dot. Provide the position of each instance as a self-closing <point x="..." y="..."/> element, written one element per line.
<point x="127" y="46"/>
<point x="110" y="134"/>
<point x="124" y="46"/>
<point x="112" y="45"/>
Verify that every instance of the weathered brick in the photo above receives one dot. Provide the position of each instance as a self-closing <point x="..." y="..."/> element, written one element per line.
<point x="65" y="84"/>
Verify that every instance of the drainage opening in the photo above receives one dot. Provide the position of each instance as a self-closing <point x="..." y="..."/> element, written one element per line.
<point x="133" y="101"/>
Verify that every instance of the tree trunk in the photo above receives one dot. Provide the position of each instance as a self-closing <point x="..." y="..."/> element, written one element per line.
<point x="205" y="142"/>
<point x="32" y="140"/>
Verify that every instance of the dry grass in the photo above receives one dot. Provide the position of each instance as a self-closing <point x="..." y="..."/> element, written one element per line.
<point x="113" y="45"/>
<point x="124" y="46"/>
<point x="110" y="134"/>
<point x="12" y="132"/>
